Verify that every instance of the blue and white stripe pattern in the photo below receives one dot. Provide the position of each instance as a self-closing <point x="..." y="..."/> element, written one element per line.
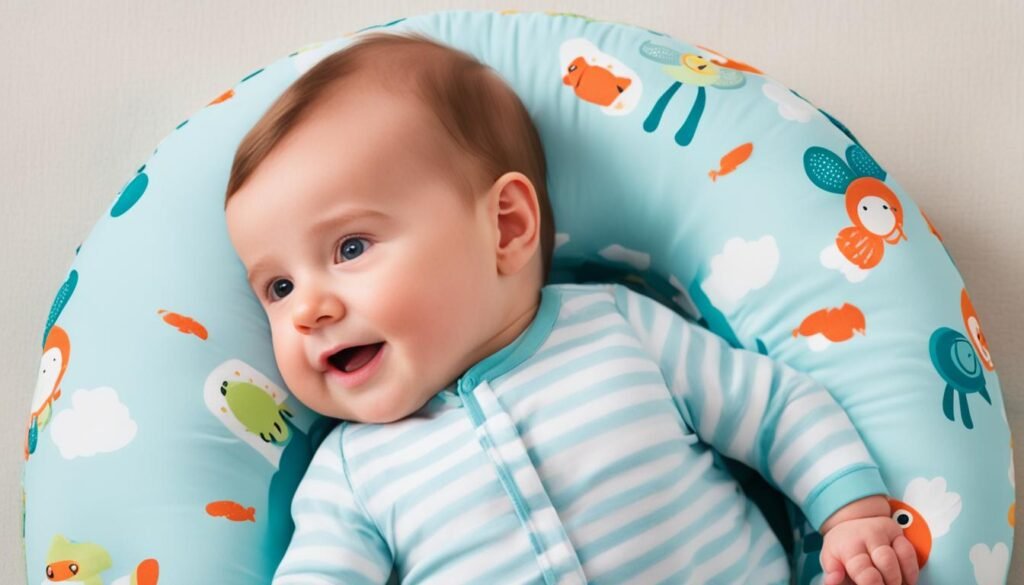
<point x="581" y="453"/>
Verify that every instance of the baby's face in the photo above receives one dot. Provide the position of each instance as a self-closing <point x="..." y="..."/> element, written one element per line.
<point x="354" y="237"/>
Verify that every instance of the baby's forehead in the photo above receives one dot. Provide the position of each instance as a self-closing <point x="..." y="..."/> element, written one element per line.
<point x="404" y="127"/>
<point x="373" y="107"/>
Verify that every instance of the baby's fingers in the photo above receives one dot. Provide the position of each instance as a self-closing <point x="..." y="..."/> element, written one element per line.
<point x="908" y="559"/>
<point x="862" y="570"/>
<point x="836" y="577"/>
<point x="833" y="569"/>
<point x="885" y="560"/>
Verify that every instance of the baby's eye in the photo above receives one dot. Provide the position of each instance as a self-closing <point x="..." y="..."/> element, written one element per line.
<point x="279" y="288"/>
<point x="351" y="248"/>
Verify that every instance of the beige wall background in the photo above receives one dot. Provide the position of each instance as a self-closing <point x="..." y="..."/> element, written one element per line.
<point x="932" y="88"/>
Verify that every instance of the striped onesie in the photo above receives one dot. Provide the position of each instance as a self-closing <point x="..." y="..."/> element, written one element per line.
<point x="582" y="452"/>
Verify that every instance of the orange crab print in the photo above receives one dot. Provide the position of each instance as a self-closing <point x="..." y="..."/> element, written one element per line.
<point x="974" y="332"/>
<point x="877" y="217"/>
<point x="872" y="207"/>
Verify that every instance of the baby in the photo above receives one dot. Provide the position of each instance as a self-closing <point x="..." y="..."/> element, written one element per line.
<point x="391" y="211"/>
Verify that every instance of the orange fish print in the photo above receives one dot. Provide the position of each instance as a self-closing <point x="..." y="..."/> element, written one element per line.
<point x="184" y="324"/>
<point x="593" y="83"/>
<point x="827" y="326"/>
<point x="222" y="97"/>
<point x="231" y="510"/>
<point x="733" y="159"/>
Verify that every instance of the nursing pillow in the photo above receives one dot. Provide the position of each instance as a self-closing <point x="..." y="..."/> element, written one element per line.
<point x="163" y="446"/>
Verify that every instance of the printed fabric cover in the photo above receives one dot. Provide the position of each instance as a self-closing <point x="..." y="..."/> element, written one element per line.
<point x="163" y="447"/>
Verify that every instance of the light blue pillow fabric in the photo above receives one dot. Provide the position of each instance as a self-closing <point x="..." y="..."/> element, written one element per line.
<point x="163" y="446"/>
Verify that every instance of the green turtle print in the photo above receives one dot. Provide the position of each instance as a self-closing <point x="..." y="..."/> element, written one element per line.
<point x="256" y="410"/>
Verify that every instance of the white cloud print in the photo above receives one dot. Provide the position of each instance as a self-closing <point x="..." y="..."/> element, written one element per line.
<point x="97" y="422"/>
<point x="990" y="564"/>
<point x="790" y="106"/>
<point x="741" y="267"/>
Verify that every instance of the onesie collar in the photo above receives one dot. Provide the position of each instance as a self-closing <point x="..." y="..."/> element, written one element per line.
<point x="511" y="355"/>
<point x="521" y="347"/>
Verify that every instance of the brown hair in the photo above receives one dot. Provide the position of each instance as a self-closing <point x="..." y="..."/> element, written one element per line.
<point x="483" y="117"/>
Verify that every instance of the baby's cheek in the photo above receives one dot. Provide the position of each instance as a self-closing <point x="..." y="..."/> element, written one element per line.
<point x="290" y="359"/>
<point x="420" y="322"/>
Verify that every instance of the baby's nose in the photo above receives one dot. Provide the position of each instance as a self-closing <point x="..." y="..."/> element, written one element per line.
<point x="317" y="311"/>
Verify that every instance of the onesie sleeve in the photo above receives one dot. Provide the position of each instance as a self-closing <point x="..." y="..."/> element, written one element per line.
<point x="335" y="541"/>
<point x="749" y="407"/>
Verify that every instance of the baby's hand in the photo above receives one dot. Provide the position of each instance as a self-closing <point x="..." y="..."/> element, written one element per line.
<point x="868" y="551"/>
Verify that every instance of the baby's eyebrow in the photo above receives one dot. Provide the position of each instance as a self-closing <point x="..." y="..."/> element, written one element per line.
<point x="252" y="275"/>
<point x="334" y="221"/>
<point x="260" y="268"/>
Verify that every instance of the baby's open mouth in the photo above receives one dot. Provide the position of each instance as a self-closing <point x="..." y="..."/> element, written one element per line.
<point x="352" y="358"/>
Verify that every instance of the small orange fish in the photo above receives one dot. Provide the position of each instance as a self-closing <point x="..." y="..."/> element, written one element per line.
<point x="222" y="97"/>
<point x="184" y="324"/>
<point x="231" y="510"/>
<point x="733" y="159"/>
<point x="593" y="83"/>
<point x="835" y="324"/>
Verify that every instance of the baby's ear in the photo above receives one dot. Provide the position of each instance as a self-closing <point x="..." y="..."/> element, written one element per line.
<point x="515" y="208"/>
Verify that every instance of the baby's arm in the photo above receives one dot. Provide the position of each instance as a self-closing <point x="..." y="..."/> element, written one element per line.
<point x="335" y="541"/>
<point x="862" y="541"/>
<point x="756" y="410"/>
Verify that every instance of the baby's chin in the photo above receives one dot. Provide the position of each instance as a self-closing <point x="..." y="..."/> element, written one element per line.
<point x="378" y="414"/>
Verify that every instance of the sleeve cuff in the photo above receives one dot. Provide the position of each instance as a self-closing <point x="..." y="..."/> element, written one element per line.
<point x="849" y="486"/>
